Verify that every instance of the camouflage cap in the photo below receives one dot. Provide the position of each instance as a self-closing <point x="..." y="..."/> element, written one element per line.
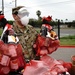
<point x="15" y="10"/>
<point x="23" y="12"/>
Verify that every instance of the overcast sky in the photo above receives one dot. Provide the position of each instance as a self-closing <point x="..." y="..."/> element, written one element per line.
<point x="58" y="9"/>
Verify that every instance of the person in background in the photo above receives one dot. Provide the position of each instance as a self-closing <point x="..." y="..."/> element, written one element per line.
<point x="46" y="25"/>
<point x="5" y="25"/>
<point x="11" y="55"/>
<point x="11" y="37"/>
<point x="3" y="20"/>
<point x="27" y="33"/>
<point x="50" y="33"/>
<point x="47" y="41"/>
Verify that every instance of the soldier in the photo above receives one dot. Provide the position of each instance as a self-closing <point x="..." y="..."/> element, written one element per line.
<point x="3" y="20"/>
<point x="55" y="43"/>
<point x="50" y="32"/>
<point x="27" y="34"/>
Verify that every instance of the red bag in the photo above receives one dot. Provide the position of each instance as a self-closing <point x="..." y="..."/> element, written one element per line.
<point x="4" y="60"/>
<point x="41" y="46"/>
<point x="17" y="63"/>
<point x="14" y="64"/>
<point x="11" y="57"/>
<point x="19" y="49"/>
<point x="35" y="68"/>
<point x="4" y="70"/>
<point x="68" y="66"/>
<point x="12" y="51"/>
<point x="45" y="66"/>
<point x="45" y="45"/>
<point x="21" y="61"/>
<point x="3" y="48"/>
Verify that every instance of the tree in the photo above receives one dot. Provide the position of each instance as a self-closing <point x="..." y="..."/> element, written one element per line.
<point x="38" y="13"/>
<point x="66" y="19"/>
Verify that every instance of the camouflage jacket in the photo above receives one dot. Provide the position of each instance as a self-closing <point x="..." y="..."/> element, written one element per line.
<point x="27" y="39"/>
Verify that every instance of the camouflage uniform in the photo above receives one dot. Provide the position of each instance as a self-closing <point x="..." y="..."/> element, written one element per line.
<point x="27" y="39"/>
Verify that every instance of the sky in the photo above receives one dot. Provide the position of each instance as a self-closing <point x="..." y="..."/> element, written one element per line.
<point x="58" y="9"/>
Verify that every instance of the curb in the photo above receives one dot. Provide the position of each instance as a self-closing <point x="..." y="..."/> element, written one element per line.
<point x="66" y="46"/>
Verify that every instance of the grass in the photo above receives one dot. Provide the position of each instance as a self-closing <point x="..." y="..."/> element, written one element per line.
<point x="68" y="40"/>
<point x="1" y="31"/>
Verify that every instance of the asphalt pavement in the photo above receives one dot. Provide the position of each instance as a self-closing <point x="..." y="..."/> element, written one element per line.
<point x="65" y="32"/>
<point x="64" y="53"/>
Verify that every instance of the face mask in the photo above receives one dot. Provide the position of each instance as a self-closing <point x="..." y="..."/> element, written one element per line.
<point x="24" y="20"/>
